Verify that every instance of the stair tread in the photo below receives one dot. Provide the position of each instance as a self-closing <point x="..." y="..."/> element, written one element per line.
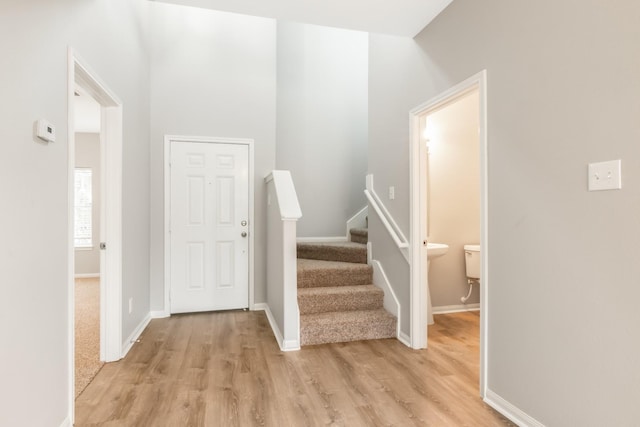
<point x="340" y="317"/>
<point x="342" y="326"/>
<point x="339" y="298"/>
<point x="359" y="231"/>
<point x="333" y="245"/>
<point x="340" y="290"/>
<point x="335" y="251"/>
<point x="305" y="265"/>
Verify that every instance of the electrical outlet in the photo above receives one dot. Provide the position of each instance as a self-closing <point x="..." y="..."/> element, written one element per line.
<point x="392" y="193"/>
<point x="605" y="175"/>
<point x="130" y="305"/>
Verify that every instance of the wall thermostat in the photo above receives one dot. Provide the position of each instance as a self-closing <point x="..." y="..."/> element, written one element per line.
<point x="45" y="131"/>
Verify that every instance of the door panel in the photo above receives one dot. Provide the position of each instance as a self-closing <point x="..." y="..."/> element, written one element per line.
<point x="209" y="215"/>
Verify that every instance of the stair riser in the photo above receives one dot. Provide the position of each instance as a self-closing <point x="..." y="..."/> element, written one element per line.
<point x="354" y="255"/>
<point x="337" y="277"/>
<point x="311" y="335"/>
<point x="359" y="239"/>
<point x="310" y="304"/>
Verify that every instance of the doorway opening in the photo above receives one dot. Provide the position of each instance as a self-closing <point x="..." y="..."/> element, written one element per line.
<point x="470" y="94"/>
<point x="87" y="238"/>
<point x="107" y="234"/>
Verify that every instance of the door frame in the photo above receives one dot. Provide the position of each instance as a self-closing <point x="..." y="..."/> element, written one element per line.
<point x="168" y="139"/>
<point x="80" y="74"/>
<point x="418" y="209"/>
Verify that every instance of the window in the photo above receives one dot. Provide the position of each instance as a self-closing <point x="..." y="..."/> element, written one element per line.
<point x="83" y="230"/>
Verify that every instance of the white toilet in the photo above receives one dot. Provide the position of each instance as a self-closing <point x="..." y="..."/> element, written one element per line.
<point x="472" y="264"/>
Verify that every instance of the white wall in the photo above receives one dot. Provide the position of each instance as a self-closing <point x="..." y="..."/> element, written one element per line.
<point x="34" y="37"/>
<point x="212" y="74"/>
<point x="453" y="196"/>
<point x="563" y="91"/>
<point x="322" y="122"/>
<point x="398" y="82"/>
<point x="87" y="261"/>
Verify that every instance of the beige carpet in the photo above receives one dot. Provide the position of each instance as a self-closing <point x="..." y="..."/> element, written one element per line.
<point x="336" y="299"/>
<point x="87" y="332"/>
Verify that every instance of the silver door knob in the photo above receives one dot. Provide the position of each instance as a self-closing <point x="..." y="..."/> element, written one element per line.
<point x="243" y="234"/>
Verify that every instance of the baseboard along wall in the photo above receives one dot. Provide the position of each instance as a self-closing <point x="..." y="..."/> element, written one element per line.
<point x="447" y="309"/>
<point x="510" y="411"/>
<point x="128" y="344"/>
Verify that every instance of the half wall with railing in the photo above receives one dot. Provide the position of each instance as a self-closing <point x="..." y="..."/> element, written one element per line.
<point x="283" y="212"/>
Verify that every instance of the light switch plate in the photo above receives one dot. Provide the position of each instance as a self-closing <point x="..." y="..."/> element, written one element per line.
<point x="605" y="175"/>
<point x="392" y="193"/>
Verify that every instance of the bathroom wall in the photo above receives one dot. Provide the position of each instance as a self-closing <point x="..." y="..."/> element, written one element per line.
<point x="453" y="196"/>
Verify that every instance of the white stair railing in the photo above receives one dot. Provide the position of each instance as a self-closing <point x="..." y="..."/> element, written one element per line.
<point x="394" y="230"/>
<point x="283" y="212"/>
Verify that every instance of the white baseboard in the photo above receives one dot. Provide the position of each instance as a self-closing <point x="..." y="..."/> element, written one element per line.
<point x="87" y="275"/>
<point x="510" y="411"/>
<point x="66" y="423"/>
<point x="259" y="306"/>
<point x="288" y="345"/>
<point x="446" y="309"/>
<point x="160" y="314"/>
<point x="380" y="279"/>
<point x="135" y="335"/>
<point x="404" y="338"/>
<point x="335" y="239"/>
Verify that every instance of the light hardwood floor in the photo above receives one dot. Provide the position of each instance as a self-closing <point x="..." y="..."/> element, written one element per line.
<point x="225" y="369"/>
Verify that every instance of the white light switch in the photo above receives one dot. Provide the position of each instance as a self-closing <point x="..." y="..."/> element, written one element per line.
<point x="605" y="175"/>
<point x="392" y="193"/>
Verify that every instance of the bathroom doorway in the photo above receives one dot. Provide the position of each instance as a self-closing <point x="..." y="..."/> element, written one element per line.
<point x="446" y="110"/>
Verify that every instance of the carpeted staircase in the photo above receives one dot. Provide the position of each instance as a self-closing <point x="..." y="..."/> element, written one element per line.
<point x="337" y="301"/>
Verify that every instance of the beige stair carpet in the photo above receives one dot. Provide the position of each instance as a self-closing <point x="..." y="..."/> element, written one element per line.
<point x="359" y="235"/>
<point x="345" y="252"/>
<point x="336" y="297"/>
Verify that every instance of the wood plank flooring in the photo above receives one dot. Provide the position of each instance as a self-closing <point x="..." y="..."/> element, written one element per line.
<point x="225" y="369"/>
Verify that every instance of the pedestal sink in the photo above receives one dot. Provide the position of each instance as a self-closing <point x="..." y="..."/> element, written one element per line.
<point x="434" y="250"/>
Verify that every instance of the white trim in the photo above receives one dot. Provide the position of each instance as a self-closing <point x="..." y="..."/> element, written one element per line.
<point x="66" y="423"/>
<point x="380" y="279"/>
<point x="160" y="314"/>
<point x="459" y="308"/>
<point x="111" y="140"/>
<point x="510" y="411"/>
<point x="289" y="345"/>
<point x="133" y="338"/>
<point x="86" y="275"/>
<point x="286" y="192"/>
<point x="168" y="139"/>
<point x="386" y="218"/>
<point x="356" y="221"/>
<point x="335" y="239"/>
<point x="359" y="220"/>
<point x="404" y="338"/>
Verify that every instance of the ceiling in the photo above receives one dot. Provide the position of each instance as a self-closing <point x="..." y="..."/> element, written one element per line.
<point x="395" y="17"/>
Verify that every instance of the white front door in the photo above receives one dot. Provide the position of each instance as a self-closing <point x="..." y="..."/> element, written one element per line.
<point x="209" y="226"/>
